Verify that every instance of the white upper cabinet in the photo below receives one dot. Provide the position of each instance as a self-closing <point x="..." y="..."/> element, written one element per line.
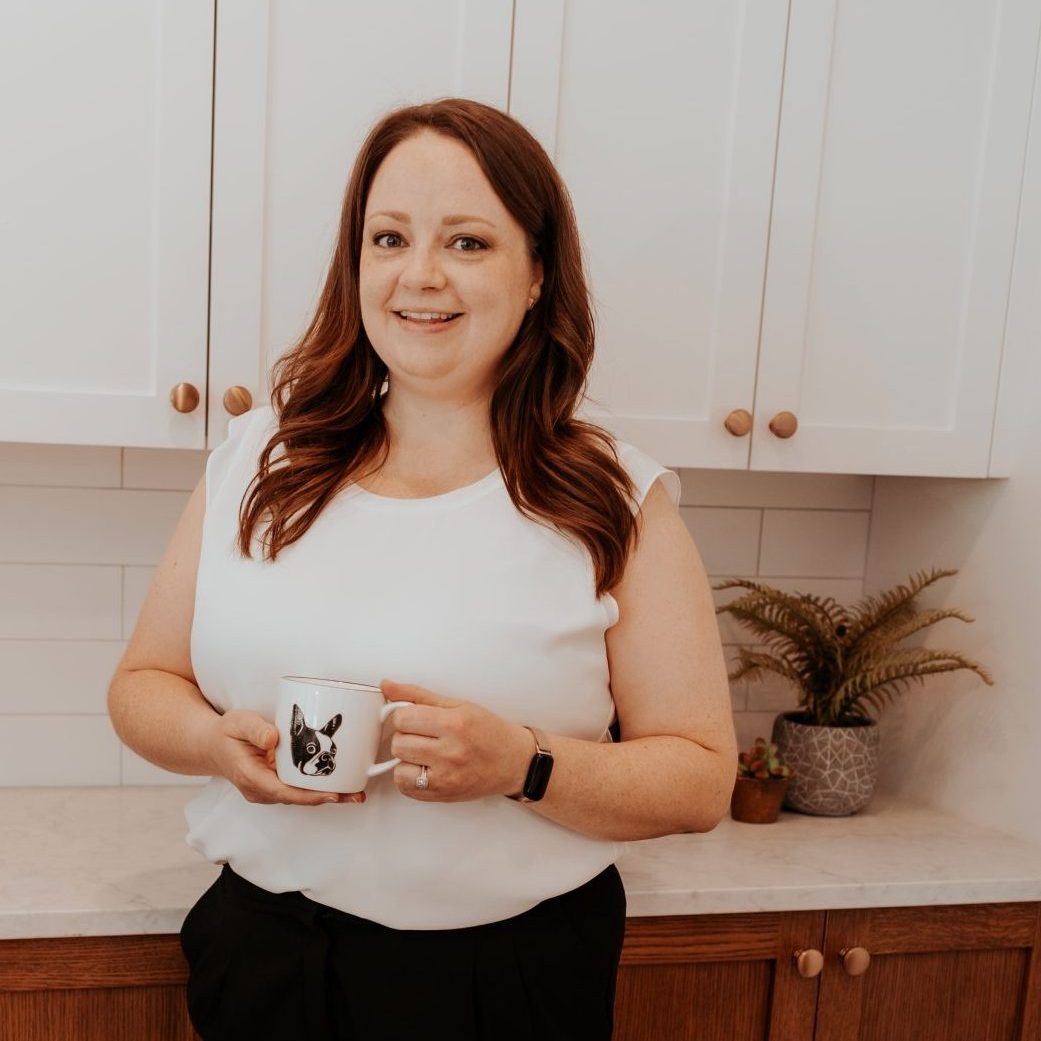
<point x="105" y="182"/>
<point x="900" y="159"/>
<point x="798" y="217"/>
<point x="662" y="119"/>
<point x="886" y="231"/>
<point x="298" y="87"/>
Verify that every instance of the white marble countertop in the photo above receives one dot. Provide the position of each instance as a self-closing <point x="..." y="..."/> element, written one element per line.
<point x="113" y="861"/>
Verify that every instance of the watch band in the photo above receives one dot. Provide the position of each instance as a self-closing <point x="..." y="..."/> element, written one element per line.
<point x="539" y="769"/>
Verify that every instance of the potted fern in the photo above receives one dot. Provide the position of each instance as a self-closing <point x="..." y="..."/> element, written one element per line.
<point x="841" y="661"/>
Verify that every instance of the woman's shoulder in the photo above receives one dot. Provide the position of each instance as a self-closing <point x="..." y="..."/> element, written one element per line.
<point x="260" y="418"/>
<point x="246" y="437"/>
<point x="644" y="469"/>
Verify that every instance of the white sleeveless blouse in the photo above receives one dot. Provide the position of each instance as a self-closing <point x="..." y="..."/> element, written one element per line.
<point x="459" y="593"/>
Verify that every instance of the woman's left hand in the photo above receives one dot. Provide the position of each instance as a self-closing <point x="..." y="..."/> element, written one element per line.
<point x="469" y="751"/>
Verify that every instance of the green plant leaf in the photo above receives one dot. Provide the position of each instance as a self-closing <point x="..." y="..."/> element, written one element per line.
<point x="893" y="607"/>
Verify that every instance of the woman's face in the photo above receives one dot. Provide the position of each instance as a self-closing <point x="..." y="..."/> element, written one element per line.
<point x="425" y="258"/>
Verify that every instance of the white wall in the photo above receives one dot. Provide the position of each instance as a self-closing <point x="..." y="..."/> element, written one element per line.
<point x="83" y="527"/>
<point x="956" y="743"/>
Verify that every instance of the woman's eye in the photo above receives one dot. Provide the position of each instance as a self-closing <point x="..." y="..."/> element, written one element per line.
<point x="470" y="238"/>
<point x="462" y="238"/>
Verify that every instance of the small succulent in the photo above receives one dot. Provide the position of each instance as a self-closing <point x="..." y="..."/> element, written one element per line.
<point x="761" y="762"/>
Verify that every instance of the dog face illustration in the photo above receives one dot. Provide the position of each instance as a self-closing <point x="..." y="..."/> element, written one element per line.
<point x="314" y="751"/>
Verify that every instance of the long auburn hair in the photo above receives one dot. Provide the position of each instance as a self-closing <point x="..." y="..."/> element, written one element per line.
<point x="327" y="389"/>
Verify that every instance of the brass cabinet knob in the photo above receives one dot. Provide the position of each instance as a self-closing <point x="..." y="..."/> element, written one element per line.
<point x="855" y="960"/>
<point x="237" y="400"/>
<point x="738" y="422"/>
<point x="784" y="424"/>
<point x="809" y="962"/>
<point x="184" y="397"/>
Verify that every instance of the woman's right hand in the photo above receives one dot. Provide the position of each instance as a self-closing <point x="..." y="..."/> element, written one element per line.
<point x="242" y="749"/>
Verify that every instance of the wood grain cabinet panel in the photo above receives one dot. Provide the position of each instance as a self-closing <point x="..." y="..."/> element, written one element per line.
<point x="969" y="972"/>
<point x="954" y="973"/>
<point x="94" y="988"/>
<point x="725" y="977"/>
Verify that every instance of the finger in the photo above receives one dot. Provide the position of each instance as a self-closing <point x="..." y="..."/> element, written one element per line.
<point x="395" y="691"/>
<point x="405" y="775"/>
<point x="254" y="729"/>
<point x="415" y="748"/>
<point x="268" y="787"/>
<point x="421" y="720"/>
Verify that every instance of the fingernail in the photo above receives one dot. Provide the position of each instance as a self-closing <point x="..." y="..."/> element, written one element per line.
<point x="333" y="799"/>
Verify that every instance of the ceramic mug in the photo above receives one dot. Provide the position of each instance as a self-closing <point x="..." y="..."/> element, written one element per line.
<point x="329" y="733"/>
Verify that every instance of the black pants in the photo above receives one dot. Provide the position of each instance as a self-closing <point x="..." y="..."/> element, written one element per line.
<point x="278" y="965"/>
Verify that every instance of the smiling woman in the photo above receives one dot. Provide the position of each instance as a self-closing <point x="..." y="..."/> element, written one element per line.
<point x="421" y="255"/>
<point x="518" y="577"/>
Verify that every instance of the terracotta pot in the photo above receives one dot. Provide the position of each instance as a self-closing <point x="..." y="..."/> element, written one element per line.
<point x="758" y="800"/>
<point x="835" y="768"/>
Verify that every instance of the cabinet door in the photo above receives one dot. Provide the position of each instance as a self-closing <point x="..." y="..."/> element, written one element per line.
<point x="297" y="89"/>
<point x="932" y="973"/>
<point x="94" y="988"/>
<point x="662" y="119"/>
<point x="104" y="247"/>
<point x="900" y="158"/>
<point x="719" y="977"/>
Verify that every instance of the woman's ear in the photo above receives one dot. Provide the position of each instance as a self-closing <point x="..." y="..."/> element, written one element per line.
<point x="536" y="287"/>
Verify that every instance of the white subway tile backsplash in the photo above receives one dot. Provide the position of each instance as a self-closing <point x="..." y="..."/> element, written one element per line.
<point x="60" y="602"/>
<point x="68" y="466"/>
<point x="83" y="528"/>
<point x="828" y="543"/>
<point x="177" y="469"/>
<point x="136" y="770"/>
<point x="772" y="693"/>
<point x="750" y="725"/>
<point x="136" y="581"/>
<point x="728" y="540"/>
<point x="761" y="490"/>
<point x="57" y="676"/>
<point x="58" y="750"/>
<point x="87" y="525"/>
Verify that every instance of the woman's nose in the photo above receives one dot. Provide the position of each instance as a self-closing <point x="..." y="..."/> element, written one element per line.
<point x="422" y="267"/>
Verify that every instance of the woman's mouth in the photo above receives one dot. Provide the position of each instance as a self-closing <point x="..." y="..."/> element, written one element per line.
<point x="427" y="319"/>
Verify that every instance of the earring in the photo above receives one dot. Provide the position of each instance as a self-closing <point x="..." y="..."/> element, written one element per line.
<point x="531" y="304"/>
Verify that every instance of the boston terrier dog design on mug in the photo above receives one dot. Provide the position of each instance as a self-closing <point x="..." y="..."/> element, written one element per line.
<point x="314" y="751"/>
<point x="329" y="733"/>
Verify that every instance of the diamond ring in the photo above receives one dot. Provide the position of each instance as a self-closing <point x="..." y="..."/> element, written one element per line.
<point x="421" y="779"/>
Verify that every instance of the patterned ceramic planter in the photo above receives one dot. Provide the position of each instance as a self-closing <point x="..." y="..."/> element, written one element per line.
<point x="834" y="768"/>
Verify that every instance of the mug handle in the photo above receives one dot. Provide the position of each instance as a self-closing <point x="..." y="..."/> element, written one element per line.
<point x="381" y="768"/>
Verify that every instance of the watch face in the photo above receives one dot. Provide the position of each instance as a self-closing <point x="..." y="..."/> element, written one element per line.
<point x="538" y="776"/>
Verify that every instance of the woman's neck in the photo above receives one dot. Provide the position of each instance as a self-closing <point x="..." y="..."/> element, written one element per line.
<point x="433" y="447"/>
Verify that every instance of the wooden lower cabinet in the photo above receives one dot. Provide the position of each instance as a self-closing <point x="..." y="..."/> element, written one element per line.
<point x="966" y="972"/>
<point x="94" y="988"/>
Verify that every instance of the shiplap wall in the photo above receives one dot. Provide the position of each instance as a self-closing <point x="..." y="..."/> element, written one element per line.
<point x="82" y="528"/>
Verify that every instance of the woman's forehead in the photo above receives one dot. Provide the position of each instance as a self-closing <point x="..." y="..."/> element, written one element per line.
<point x="433" y="177"/>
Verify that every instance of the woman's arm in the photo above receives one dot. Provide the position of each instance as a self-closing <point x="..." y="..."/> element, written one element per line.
<point x="675" y="767"/>
<point x="155" y="703"/>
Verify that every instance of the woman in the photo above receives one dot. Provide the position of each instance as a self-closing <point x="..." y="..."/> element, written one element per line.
<point x="420" y="508"/>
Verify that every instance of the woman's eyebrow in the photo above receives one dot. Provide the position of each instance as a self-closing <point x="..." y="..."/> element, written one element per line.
<point x="452" y="218"/>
